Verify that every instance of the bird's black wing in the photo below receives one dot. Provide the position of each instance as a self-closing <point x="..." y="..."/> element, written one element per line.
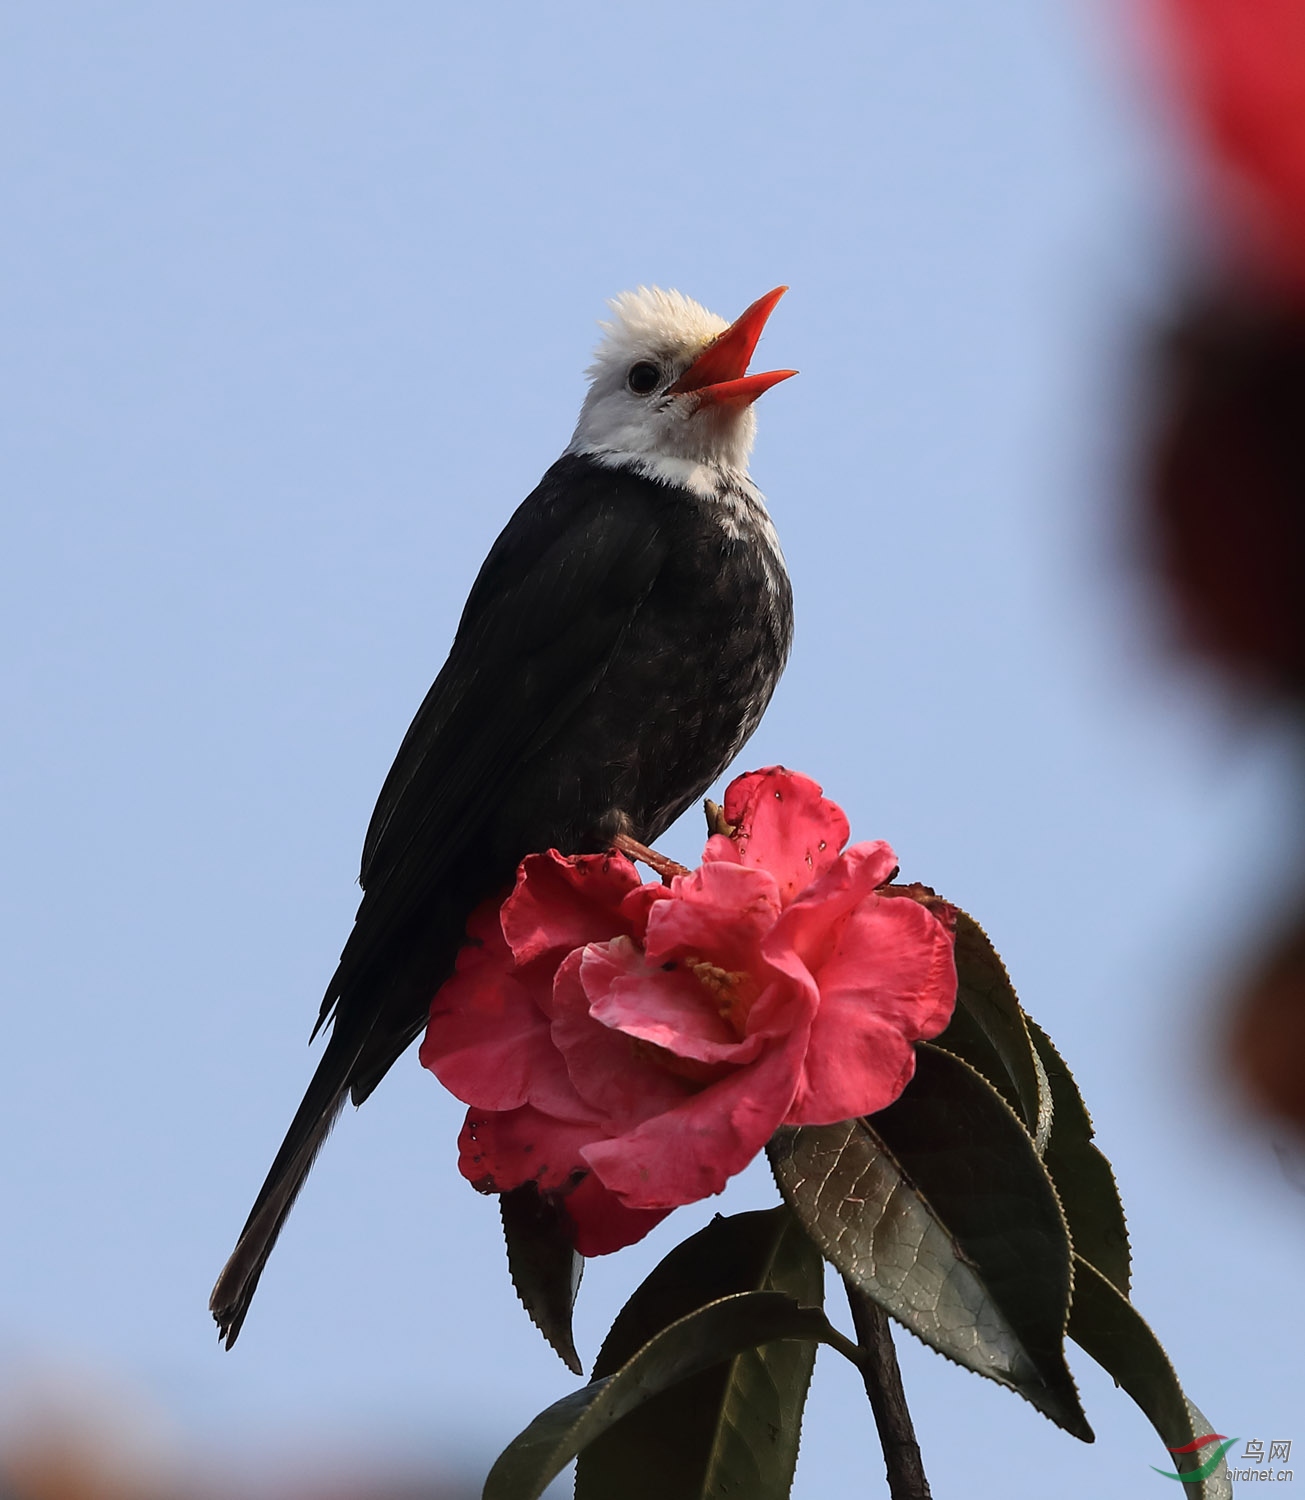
<point x="544" y="619"/>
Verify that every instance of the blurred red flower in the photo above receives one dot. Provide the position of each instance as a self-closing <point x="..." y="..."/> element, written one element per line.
<point x="1242" y="65"/>
<point x="630" y="1047"/>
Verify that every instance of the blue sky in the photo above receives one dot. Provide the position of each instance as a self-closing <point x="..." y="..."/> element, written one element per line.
<point x="296" y="303"/>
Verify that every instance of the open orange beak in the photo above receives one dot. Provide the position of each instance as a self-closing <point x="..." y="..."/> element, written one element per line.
<point x="719" y="376"/>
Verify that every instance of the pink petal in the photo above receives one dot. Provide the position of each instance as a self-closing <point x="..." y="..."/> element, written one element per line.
<point x="602" y="1222"/>
<point x="720" y="911"/>
<point x="488" y="1039"/>
<point x="887" y="979"/>
<point x="691" y="1151"/>
<point x="668" y="1006"/>
<point x="486" y="1033"/>
<point x="615" y="1077"/>
<point x="786" y="1005"/>
<point x="859" y="1063"/>
<point x="638" y="906"/>
<point x="561" y="902"/>
<point x="783" y="824"/>
<point x="798" y="942"/>
<point x="498" y="1151"/>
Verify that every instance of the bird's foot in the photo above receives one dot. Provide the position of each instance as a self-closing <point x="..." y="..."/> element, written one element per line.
<point x="658" y="863"/>
<point x="716" y="821"/>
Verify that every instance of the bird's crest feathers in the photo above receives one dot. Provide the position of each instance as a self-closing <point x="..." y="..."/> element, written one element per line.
<point x="652" y="319"/>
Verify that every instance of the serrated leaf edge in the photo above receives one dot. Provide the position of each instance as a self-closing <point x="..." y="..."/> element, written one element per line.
<point x="1041" y="1031"/>
<point x="963" y="1256"/>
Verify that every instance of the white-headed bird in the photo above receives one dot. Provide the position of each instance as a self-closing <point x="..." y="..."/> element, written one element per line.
<point x="619" y="645"/>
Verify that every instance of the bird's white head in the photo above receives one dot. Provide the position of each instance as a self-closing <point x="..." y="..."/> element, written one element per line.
<point x="669" y="388"/>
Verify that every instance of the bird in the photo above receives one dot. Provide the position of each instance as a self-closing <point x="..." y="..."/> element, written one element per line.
<point x="620" y="643"/>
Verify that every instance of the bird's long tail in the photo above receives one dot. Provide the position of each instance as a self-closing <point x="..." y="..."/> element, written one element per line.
<point x="375" y="1011"/>
<point x="312" y="1123"/>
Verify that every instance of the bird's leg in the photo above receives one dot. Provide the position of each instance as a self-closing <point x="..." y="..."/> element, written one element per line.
<point x="658" y="863"/>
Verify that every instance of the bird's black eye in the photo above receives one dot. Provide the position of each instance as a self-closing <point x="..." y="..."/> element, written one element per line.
<point x="643" y="378"/>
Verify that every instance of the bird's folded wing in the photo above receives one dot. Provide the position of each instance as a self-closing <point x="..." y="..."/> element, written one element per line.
<point x="548" y="611"/>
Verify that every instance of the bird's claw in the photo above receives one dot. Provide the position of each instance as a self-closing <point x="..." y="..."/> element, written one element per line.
<point x="716" y="821"/>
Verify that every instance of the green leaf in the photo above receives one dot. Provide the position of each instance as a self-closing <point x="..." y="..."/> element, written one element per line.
<point x="544" y="1266"/>
<point x="1104" y="1324"/>
<point x="733" y="1429"/>
<point x="694" y="1343"/>
<point x="764" y="1250"/>
<point x="940" y="1210"/>
<point x="988" y="1030"/>
<point x="1083" y="1178"/>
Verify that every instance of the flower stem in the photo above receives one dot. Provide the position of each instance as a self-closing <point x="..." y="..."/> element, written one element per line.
<point x="883" y="1385"/>
<point x="657" y="863"/>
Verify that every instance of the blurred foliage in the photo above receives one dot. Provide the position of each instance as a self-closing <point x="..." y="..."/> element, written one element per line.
<point x="70" y="1457"/>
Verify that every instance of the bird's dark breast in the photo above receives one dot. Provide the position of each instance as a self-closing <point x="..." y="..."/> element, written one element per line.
<point x="685" y="686"/>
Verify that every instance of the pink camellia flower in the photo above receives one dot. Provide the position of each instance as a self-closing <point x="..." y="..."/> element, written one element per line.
<point x="630" y="1047"/>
